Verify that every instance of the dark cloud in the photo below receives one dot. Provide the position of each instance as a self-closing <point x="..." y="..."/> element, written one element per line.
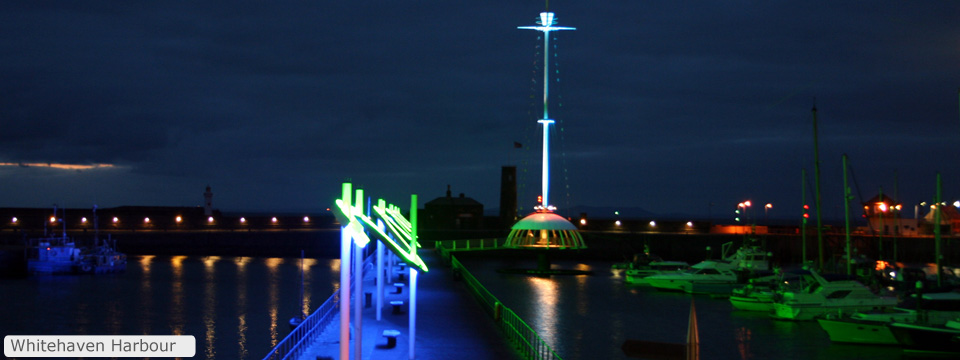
<point x="669" y="106"/>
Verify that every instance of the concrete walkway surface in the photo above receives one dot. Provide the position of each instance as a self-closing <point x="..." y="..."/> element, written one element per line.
<point x="450" y="323"/>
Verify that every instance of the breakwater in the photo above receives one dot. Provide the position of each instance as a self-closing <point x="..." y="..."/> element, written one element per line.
<point x="601" y="245"/>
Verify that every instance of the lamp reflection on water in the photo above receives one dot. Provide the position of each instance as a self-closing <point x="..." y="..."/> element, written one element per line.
<point x="273" y="296"/>
<point x="210" y="305"/>
<point x="743" y="337"/>
<point x="546" y="292"/>
<point x="146" y="292"/>
<point x="307" y="277"/>
<point x="241" y="263"/>
<point x="176" y="294"/>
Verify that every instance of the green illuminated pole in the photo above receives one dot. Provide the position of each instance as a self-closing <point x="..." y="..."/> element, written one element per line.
<point x="936" y="230"/>
<point x="803" y="227"/>
<point x="846" y="213"/>
<point x="816" y="171"/>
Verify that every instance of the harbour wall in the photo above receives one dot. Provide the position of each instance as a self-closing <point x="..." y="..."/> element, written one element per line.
<point x="611" y="246"/>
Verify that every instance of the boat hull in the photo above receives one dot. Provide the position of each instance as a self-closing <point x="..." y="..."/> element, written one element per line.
<point x="51" y="267"/>
<point x="848" y="330"/>
<point x="752" y="303"/>
<point x="917" y="338"/>
<point x="806" y="312"/>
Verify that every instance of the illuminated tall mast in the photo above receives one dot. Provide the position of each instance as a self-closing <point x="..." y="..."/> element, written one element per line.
<point x="546" y="26"/>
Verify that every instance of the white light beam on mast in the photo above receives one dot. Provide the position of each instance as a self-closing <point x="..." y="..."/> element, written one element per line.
<point x="546" y="26"/>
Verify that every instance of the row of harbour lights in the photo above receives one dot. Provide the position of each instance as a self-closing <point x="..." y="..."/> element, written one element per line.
<point x="146" y="220"/>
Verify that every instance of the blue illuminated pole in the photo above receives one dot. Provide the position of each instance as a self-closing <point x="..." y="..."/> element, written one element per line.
<point x="345" y="243"/>
<point x="413" y="275"/>
<point x="358" y="287"/>
<point x="546" y="26"/>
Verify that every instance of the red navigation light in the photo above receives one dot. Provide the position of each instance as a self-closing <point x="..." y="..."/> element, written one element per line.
<point x="806" y="207"/>
<point x="806" y="216"/>
<point x="539" y="198"/>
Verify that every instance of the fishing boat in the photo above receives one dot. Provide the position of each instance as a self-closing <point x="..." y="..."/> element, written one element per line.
<point x="52" y="255"/>
<point x="838" y="294"/>
<point x="102" y="258"/>
<point x="715" y="276"/>
<point x="935" y="309"/>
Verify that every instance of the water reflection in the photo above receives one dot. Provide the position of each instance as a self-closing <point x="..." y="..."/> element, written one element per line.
<point x="146" y="292"/>
<point x="232" y="305"/>
<point x="743" y="337"/>
<point x="545" y="291"/>
<point x="307" y="284"/>
<point x="273" y="296"/>
<point x="210" y="305"/>
<point x="145" y="262"/>
<point x="241" y="263"/>
<point x="176" y="295"/>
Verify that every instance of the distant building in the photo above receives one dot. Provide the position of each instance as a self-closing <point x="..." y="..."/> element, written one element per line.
<point x="452" y="213"/>
<point x="883" y="214"/>
<point x="508" y="196"/>
<point x="949" y="219"/>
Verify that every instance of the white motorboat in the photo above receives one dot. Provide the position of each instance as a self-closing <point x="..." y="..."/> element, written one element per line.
<point x="839" y="295"/>
<point x="928" y="339"/>
<point x="638" y="275"/>
<point x="759" y="294"/>
<point x="871" y="327"/>
<point x="710" y="275"/>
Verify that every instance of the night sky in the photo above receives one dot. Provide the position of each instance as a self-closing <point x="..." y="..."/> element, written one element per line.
<point x="669" y="106"/>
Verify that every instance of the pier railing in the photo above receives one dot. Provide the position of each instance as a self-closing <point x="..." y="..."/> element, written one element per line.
<point x="527" y="342"/>
<point x="300" y="339"/>
<point x="445" y="247"/>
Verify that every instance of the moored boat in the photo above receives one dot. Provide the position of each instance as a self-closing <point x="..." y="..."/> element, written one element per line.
<point x="760" y="293"/>
<point x="639" y="273"/>
<point x="102" y="259"/>
<point x="871" y="327"/>
<point x="839" y="295"/>
<point x="52" y="255"/>
<point x="715" y="276"/>
<point x="929" y="339"/>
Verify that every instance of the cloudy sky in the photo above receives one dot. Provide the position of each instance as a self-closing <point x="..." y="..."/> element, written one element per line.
<point x="671" y="106"/>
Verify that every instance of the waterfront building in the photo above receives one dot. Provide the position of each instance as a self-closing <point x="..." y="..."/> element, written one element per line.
<point x="452" y="213"/>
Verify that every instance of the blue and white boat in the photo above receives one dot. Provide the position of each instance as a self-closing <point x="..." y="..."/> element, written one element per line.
<point x="52" y="255"/>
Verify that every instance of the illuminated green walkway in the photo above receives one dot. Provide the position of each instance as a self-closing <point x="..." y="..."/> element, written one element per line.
<point x="450" y="323"/>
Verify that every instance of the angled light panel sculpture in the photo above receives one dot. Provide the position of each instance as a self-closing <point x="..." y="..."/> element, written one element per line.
<point x="396" y="232"/>
<point x="543" y="228"/>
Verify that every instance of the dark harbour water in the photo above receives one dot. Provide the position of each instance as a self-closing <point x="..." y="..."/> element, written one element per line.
<point x="235" y="307"/>
<point x="238" y="307"/>
<point x="589" y="317"/>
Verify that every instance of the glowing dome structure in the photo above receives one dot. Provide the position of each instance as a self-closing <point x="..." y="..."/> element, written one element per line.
<point x="544" y="229"/>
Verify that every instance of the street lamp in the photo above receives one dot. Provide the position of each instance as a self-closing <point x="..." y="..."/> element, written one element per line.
<point x="766" y="208"/>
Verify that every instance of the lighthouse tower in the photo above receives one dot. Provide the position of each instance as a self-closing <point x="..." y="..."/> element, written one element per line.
<point x="208" y="202"/>
<point x="543" y="229"/>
